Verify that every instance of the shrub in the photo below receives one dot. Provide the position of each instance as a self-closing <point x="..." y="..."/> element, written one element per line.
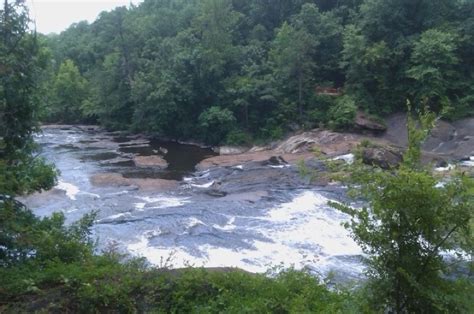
<point x="216" y="123"/>
<point x="238" y="137"/>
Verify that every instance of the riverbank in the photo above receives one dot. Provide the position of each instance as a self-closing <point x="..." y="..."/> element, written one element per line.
<point x="448" y="143"/>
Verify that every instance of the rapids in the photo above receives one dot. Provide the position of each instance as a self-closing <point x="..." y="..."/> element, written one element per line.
<point x="268" y="217"/>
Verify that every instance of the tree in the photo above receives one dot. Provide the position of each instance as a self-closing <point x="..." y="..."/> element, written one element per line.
<point x="408" y="225"/>
<point x="69" y="93"/>
<point x="368" y="66"/>
<point x="216" y="123"/>
<point x="433" y="68"/>
<point x="20" y="171"/>
<point x="292" y="63"/>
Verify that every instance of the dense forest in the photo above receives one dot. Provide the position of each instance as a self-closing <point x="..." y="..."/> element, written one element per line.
<point x="236" y="70"/>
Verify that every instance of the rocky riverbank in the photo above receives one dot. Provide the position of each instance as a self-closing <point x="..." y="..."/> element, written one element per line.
<point x="447" y="143"/>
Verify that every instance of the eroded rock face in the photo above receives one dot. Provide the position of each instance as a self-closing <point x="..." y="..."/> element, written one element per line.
<point x="260" y="157"/>
<point x="448" y="140"/>
<point x="328" y="142"/>
<point x="150" y="161"/>
<point x="383" y="157"/>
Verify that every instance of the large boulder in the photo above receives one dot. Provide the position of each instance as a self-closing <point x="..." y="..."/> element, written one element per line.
<point x="364" y="122"/>
<point x="383" y="157"/>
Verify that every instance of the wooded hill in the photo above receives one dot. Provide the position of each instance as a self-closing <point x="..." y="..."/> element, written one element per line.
<point x="238" y="70"/>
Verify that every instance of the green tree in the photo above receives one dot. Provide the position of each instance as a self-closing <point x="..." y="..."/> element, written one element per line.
<point x="216" y="123"/>
<point x="292" y="63"/>
<point x="69" y="93"/>
<point x="20" y="171"/>
<point x="368" y="71"/>
<point x="342" y="114"/>
<point x="434" y="68"/>
<point x="409" y="223"/>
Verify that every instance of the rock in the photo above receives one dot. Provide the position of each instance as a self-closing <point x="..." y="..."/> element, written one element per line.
<point x="150" y="161"/>
<point x="364" y="122"/>
<point x="382" y="157"/>
<point x="326" y="142"/>
<point x="154" y="184"/>
<point x="397" y="129"/>
<point x="115" y="161"/>
<point x="298" y="143"/>
<point x="453" y="140"/>
<point x="315" y="164"/>
<point x="441" y="163"/>
<point x="116" y="179"/>
<point x="236" y="160"/>
<point x="441" y="138"/>
<point x="109" y="179"/>
<point x="259" y="149"/>
<point x="216" y="193"/>
<point x="275" y="161"/>
<point x="230" y="150"/>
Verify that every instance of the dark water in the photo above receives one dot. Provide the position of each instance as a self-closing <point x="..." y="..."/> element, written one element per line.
<point x="182" y="159"/>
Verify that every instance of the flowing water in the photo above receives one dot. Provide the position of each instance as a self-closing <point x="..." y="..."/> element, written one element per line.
<point x="268" y="216"/>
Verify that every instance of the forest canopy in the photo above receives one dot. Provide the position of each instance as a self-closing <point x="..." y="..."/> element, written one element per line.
<point x="233" y="70"/>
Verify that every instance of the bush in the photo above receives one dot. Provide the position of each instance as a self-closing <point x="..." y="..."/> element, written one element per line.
<point x="341" y="116"/>
<point x="216" y="123"/>
<point x="238" y="137"/>
<point x="103" y="284"/>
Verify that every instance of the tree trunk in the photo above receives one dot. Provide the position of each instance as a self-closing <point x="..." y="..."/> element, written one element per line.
<point x="300" y="94"/>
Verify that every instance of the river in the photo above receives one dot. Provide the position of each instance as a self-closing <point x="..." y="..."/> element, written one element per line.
<point x="269" y="216"/>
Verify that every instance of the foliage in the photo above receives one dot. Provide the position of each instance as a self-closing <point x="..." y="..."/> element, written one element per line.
<point x="408" y="226"/>
<point x="238" y="137"/>
<point x="434" y="63"/>
<point x="69" y="92"/>
<point x="104" y="284"/>
<point x="25" y="238"/>
<point x="342" y="114"/>
<point x="20" y="64"/>
<point x="158" y="66"/>
<point x="216" y="123"/>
